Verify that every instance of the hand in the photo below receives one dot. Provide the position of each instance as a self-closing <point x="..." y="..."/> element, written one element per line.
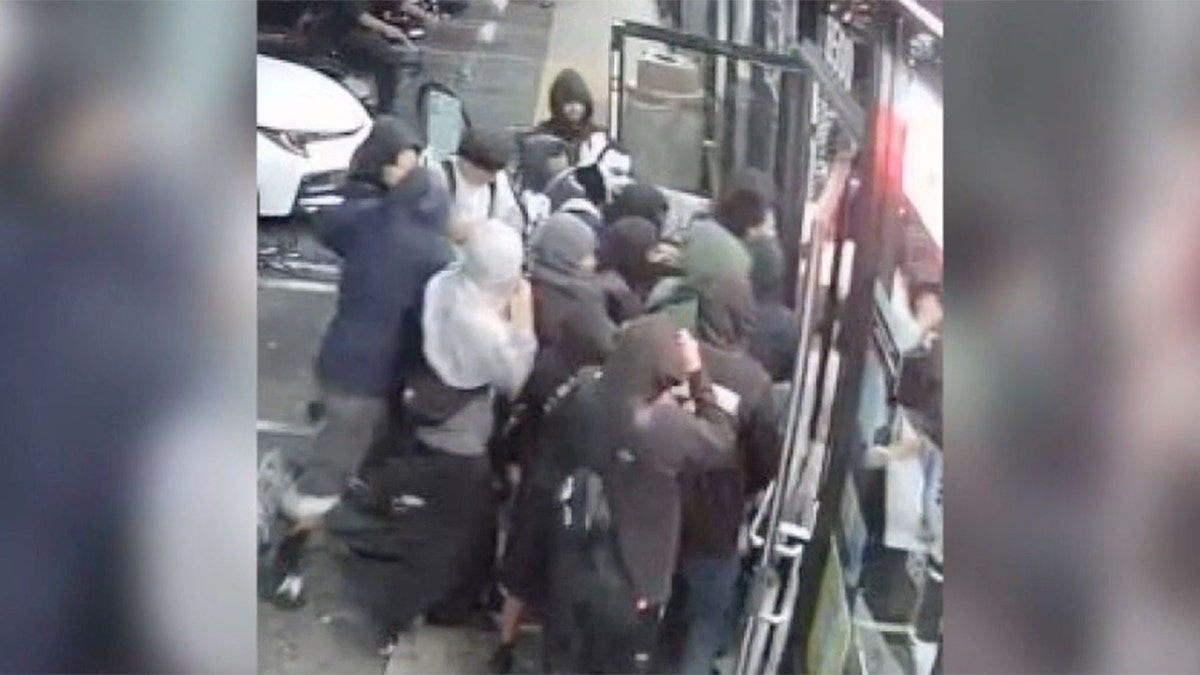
<point x="394" y="33"/>
<point x="520" y="306"/>
<point x="459" y="228"/>
<point x="664" y="254"/>
<point x="308" y="523"/>
<point x="689" y="352"/>
<point x="929" y="314"/>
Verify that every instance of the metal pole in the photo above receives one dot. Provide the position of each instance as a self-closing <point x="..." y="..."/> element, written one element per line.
<point x="870" y="216"/>
<point x="616" y="78"/>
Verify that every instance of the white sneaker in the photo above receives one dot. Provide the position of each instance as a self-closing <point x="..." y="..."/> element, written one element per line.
<point x="486" y="34"/>
<point x="306" y="507"/>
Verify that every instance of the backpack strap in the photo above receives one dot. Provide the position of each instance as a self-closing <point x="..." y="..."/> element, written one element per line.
<point x="451" y="179"/>
<point x="567" y="388"/>
<point x="452" y="183"/>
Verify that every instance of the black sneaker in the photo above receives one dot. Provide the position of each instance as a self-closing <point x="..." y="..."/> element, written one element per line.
<point x="501" y="662"/>
<point x="476" y="619"/>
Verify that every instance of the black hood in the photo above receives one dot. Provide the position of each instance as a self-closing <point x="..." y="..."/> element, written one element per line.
<point x="387" y="138"/>
<point x="766" y="269"/>
<point x="641" y="200"/>
<point x="725" y="312"/>
<point x="536" y="151"/>
<point x="624" y="248"/>
<point x="569" y="87"/>
<point x="645" y="362"/>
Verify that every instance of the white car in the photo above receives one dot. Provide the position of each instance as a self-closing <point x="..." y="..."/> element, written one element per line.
<point x="308" y="127"/>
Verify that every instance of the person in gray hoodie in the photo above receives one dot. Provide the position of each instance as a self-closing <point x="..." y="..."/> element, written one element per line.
<point x="418" y="530"/>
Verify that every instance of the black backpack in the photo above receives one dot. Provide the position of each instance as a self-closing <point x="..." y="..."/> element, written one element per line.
<point x="585" y="514"/>
<point x="584" y="509"/>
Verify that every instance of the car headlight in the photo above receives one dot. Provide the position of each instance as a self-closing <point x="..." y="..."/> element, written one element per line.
<point x="296" y="142"/>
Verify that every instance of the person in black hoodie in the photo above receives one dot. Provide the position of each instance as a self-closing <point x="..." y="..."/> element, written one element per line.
<point x="571" y="110"/>
<point x="562" y="269"/>
<point x="623" y="424"/>
<point x="627" y="274"/>
<point x="640" y="200"/>
<point x="776" y="334"/>
<point x="714" y="501"/>
<point x="744" y="209"/>
<point x="389" y="234"/>
<point x="573" y="331"/>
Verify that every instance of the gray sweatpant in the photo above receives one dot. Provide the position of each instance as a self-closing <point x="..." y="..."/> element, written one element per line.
<point x="351" y="425"/>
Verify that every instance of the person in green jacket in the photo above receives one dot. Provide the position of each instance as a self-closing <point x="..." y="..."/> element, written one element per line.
<point x="709" y="252"/>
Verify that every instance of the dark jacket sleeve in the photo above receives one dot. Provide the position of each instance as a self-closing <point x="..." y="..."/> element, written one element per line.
<point x="762" y="442"/>
<point x="596" y="331"/>
<point x="705" y="440"/>
<point x="621" y="302"/>
<point x="336" y="229"/>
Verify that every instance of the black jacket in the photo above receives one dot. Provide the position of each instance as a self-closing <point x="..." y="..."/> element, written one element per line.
<point x="573" y="332"/>
<point x="390" y="244"/>
<point x="714" y="500"/>
<point x="576" y="315"/>
<point x="568" y="87"/>
<point x="777" y="328"/>
<point x="642" y="480"/>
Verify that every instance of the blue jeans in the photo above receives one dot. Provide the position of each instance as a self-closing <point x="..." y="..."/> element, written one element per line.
<point x="709" y="610"/>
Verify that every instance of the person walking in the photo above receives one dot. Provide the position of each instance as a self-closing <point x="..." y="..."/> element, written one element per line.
<point x="389" y="235"/>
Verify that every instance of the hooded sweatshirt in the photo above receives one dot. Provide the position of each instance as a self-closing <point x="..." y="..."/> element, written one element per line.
<point x="536" y="151"/>
<point x="777" y="331"/>
<point x="714" y="500"/>
<point x="569" y="87"/>
<point x="709" y="252"/>
<point x="391" y="242"/>
<point x="572" y="328"/>
<point x="639" y="200"/>
<point x="564" y="293"/>
<point x="620" y="425"/>
<point x="469" y="342"/>
<point x="627" y="275"/>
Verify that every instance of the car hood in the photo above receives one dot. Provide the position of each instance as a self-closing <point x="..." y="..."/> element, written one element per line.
<point x="296" y="98"/>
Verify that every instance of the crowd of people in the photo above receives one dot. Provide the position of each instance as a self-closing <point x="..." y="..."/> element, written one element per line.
<point x="527" y="357"/>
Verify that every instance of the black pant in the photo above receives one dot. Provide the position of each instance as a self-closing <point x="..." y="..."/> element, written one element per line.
<point x="370" y="51"/>
<point x="593" y="624"/>
<point x="398" y="563"/>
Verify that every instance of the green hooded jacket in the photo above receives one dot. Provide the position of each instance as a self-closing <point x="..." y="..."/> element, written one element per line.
<point x="709" y="252"/>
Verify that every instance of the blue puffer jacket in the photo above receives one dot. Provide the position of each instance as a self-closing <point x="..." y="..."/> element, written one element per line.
<point x="390" y="243"/>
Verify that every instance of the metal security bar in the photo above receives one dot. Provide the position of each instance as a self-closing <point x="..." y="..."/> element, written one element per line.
<point x="805" y="57"/>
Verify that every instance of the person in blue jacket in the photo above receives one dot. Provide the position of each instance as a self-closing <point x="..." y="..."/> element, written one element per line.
<point x="390" y="235"/>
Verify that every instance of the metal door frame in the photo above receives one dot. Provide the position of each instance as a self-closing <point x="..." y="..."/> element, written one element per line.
<point x="804" y="59"/>
<point x="783" y="561"/>
<point x="875" y="226"/>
